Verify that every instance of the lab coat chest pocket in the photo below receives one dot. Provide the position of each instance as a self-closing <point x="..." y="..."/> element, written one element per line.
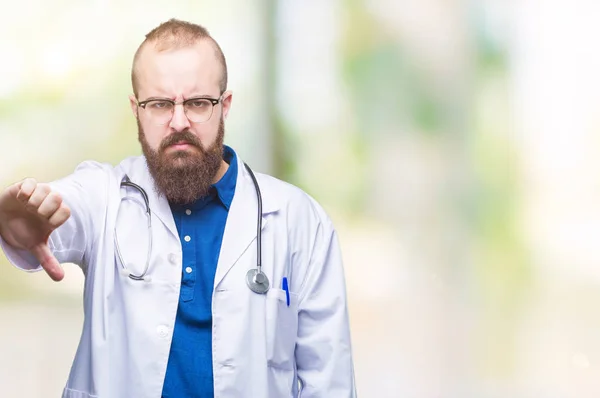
<point x="281" y="328"/>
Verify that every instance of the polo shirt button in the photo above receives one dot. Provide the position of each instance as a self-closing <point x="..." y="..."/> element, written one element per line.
<point x="187" y="238"/>
<point x="188" y="270"/>
<point x="188" y="212"/>
<point x="162" y="331"/>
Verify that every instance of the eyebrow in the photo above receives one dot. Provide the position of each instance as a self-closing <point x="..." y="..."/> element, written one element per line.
<point x="157" y="98"/>
<point x="201" y="96"/>
<point x="170" y="99"/>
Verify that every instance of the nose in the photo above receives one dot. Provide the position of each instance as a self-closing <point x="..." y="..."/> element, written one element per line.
<point x="179" y="121"/>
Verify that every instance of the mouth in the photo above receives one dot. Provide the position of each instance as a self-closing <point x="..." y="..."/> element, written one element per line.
<point x="180" y="146"/>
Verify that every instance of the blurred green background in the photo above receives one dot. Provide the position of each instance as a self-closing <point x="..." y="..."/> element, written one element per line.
<point x="453" y="142"/>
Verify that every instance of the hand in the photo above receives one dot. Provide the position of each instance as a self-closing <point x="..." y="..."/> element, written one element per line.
<point x="29" y="212"/>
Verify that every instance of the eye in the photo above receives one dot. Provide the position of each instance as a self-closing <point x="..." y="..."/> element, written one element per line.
<point x="198" y="103"/>
<point x="159" y="104"/>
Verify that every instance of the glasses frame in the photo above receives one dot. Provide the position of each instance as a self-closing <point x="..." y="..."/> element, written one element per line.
<point x="213" y="101"/>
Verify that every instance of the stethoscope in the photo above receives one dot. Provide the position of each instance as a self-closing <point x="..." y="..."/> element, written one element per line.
<point x="256" y="279"/>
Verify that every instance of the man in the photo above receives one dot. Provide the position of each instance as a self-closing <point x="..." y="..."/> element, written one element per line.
<point x="182" y="298"/>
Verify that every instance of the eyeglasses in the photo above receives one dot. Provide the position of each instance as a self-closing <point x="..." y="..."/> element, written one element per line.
<point x="197" y="110"/>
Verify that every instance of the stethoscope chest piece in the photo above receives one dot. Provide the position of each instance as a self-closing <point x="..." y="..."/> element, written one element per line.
<point x="257" y="281"/>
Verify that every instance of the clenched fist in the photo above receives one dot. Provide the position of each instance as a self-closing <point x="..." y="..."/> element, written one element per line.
<point x="29" y="212"/>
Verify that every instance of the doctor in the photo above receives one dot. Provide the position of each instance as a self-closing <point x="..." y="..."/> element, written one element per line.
<point x="201" y="278"/>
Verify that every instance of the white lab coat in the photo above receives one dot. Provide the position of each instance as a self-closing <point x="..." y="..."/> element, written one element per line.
<point x="261" y="347"/>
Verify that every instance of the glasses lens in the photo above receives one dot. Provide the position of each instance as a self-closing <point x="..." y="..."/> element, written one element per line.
<point x="160" y="112"/>
<point x="198" y="110"/>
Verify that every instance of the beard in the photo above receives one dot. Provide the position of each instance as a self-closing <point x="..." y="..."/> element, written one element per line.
<point x="183" y="176"/>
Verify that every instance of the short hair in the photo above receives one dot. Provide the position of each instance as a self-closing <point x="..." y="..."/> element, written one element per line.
<point x="175" y="34"/>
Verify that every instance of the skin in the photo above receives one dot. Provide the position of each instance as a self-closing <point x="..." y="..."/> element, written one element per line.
<point x="178" y="75"/>
<point x="30" y="211"/>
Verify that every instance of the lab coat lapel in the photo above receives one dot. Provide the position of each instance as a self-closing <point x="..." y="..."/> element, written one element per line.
<point x="159" y="206"/>
<point x="163" y="211"/>
<point x="241" y="227"/>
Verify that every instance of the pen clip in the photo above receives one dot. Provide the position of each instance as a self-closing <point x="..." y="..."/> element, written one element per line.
<point x="284" y="286"/>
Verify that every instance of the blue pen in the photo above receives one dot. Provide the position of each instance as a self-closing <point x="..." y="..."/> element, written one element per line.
<point x="284" y="286"/>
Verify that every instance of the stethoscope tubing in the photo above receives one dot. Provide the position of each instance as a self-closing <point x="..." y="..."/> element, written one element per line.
<point x="256" y="280"/>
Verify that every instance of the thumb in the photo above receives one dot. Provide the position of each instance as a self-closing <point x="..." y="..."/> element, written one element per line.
<point x="48" y="262"/>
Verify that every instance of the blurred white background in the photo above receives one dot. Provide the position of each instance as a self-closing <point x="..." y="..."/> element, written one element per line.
<point x="454" y="143"/>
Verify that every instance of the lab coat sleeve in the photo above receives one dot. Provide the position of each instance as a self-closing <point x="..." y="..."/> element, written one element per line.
<point x="84" y="191"/>
<point x="323" y="349"/>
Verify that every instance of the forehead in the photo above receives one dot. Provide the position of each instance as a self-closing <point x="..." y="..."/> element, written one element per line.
<point x="179" y="72"/>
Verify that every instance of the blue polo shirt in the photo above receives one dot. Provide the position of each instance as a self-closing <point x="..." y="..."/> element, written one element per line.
<point x="200" y="227"/>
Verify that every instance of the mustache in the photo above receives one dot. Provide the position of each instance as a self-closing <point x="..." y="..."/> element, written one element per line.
<point x="181" y="137"/>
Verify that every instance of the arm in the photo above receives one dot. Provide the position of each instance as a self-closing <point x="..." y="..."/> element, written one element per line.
<point x="43" y="225"/>
<point x="323" y="349"/>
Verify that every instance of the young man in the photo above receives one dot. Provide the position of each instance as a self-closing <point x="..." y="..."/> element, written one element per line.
<point x="202" y="279"/>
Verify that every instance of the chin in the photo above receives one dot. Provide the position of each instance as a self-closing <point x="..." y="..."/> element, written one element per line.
<point x="182" y="159"/>
<point x="179" y="158"/>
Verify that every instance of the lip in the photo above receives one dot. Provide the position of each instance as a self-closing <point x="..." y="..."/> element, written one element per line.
<point x="180" y="146"/>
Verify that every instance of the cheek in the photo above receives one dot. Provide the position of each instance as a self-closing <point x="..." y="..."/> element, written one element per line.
<point x="154" y="135"/>
<point x="207" y="132"/>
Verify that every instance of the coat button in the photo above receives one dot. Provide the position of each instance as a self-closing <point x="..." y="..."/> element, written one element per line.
<point x="172" y="258"/>
<point x="162" y="331"/>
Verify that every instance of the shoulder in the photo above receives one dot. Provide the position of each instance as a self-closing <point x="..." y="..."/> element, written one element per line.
<point x="292" y="199"/>
<point x="131" y="163"/>
<point x="98" y="176"/>
<point x="96" y="168"/>
<point x="86" y="173"/>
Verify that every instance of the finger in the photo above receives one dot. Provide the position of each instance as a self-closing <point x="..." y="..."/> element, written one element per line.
<point x="49" y="205"/>
<point x="48" y="262"/>
<point x="26" y="188"/>
<point x="14" y="189"/>
<point x="40" y="193"/>
<point x="60" y="216"/>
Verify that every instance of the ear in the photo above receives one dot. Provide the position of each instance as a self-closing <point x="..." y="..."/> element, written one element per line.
<point x="134" y="106"/>
<point x="226" y="102"/>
